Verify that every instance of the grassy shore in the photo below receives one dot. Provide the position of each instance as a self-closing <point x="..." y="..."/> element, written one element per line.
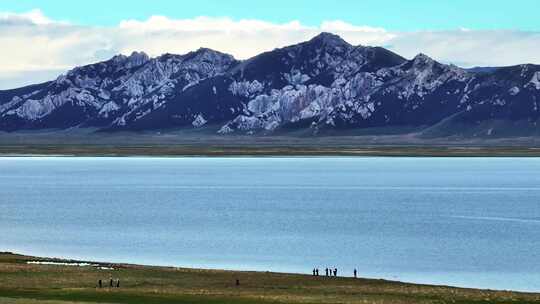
<point x="194" y="150"/>
<point x="208" y="143"/>
<point x="23" y="283"/>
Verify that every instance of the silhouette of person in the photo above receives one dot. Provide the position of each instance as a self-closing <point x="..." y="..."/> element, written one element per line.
<point x="326" y="270"/>
<point x="313" y="271"/>
<point x="118" y="283"/>
<point x="111" y="283"/>
<point x="354" y="273"/>
<point x="237" y="282"/>
<point x="335" y="272"/>
<point x="100" y="283"/>
<point x="317" y="272"/>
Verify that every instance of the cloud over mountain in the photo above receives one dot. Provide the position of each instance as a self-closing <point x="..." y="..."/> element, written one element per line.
<point x="40" y="47"/>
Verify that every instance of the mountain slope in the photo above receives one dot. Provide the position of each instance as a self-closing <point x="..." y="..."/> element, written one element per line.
<point x="321" y="84"/>
<point x="111" y="93"/>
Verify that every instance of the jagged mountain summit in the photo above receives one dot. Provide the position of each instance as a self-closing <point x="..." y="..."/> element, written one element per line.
<point x="318" y="85"/>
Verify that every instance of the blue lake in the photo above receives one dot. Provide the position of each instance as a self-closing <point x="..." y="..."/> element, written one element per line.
<point x="471" y="222"/>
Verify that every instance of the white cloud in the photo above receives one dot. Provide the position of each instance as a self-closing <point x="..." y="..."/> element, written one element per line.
<point x="32" y="17"/>
<point x="469" y="48"/>
<point x="14" y="79"/>
<point x="33" y="42"/>
<point x="358" y="34"/>
<point x="206" y="24"/>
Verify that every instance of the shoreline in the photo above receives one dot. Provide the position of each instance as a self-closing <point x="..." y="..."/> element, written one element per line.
<point x="257" y="151"/>
<point x="141" y="282"/>
<point x="83" y="262"/>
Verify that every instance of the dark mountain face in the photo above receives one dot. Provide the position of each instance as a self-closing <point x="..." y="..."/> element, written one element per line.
<point x="317" y="61"/>
<point x="324" y="83"/>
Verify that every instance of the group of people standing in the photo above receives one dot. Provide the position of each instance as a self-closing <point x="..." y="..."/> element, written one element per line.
<point x="112" y="283"/>
<point x="329" y="272"/>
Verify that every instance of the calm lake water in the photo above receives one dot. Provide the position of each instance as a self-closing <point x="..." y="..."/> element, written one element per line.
<point x="471" y="222"/>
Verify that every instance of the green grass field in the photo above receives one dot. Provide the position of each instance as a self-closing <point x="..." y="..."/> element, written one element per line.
<point x="22" y="283"/>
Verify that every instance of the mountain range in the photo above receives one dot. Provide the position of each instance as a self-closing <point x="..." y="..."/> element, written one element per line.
<point x="321" y="85"/>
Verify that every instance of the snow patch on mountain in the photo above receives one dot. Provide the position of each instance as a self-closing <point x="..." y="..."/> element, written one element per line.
<point x="514" y="91"/>
<point x="33" y="109"/>
<point x="107" y="108"/>
<point x="296" y="77"/>
<point x="246" y="88"/>
<point x="535" y="80"/>
<point x="199" y="121"/>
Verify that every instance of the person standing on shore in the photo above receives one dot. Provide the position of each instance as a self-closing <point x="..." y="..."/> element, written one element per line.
<point x="326" y="270"/>
<point x="354" y="273"/>
<point x="335" y="272"/>
<point x="100" y="283"/>
<point x="316" y="272"/>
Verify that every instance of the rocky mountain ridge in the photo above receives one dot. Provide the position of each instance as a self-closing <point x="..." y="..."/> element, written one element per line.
<point x="318" y="85"/>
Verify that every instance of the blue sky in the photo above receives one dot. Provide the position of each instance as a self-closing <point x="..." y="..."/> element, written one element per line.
<point x="49" y="37"/>
<point x="396" y="15"/>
